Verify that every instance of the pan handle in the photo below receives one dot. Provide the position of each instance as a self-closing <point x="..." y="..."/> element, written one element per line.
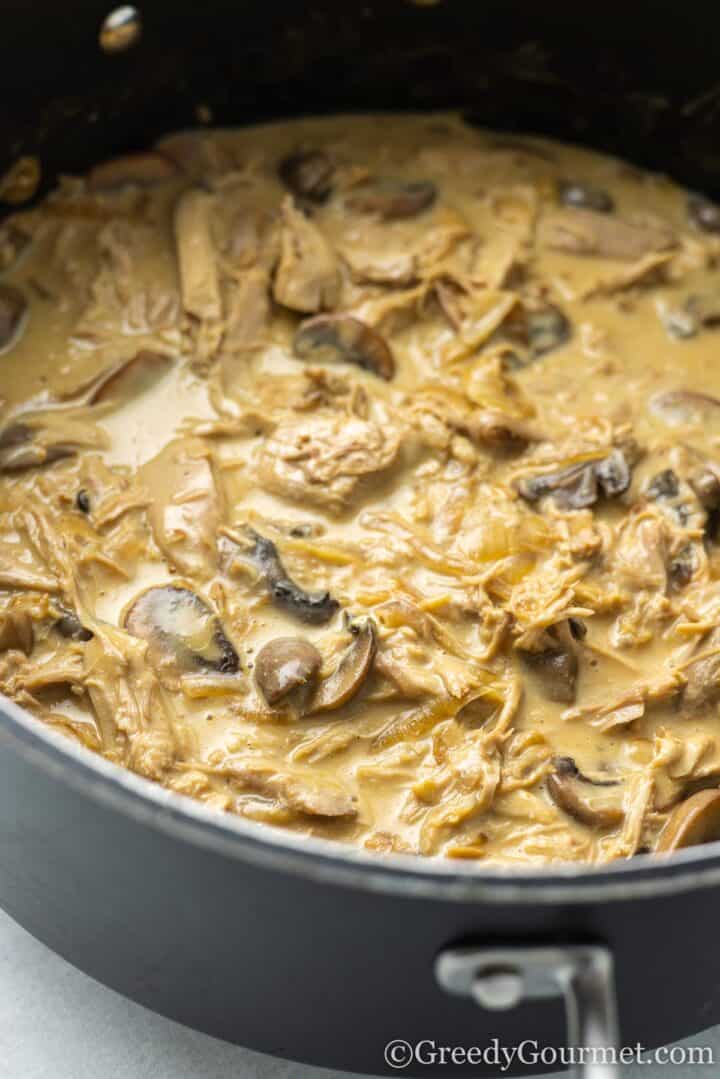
<point x="500" y="977"/>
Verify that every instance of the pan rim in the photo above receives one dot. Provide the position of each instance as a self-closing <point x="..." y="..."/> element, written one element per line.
<point x="329" y="861"/>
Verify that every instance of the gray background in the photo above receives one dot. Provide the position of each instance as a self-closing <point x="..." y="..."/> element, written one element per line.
<point x="56" y="1023"/>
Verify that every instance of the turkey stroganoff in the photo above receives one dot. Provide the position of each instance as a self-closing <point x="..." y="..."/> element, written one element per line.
<point x="362" y="476"/>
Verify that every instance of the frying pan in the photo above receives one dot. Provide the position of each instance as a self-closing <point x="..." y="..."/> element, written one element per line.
<point x="296" y="946"/>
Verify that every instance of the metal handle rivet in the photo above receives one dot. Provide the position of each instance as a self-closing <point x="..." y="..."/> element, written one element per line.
<point x="498" y="990"/>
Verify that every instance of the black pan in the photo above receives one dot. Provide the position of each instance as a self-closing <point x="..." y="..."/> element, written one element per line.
<point x="294" y="946"/>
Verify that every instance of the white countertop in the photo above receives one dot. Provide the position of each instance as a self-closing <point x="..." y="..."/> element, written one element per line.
<point x="56" y="1023"/>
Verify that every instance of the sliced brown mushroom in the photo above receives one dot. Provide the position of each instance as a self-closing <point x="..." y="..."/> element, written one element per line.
<point x="597" y="804"/>
<point x="48" y="438"/>
<point x="392" y="199"/>
<point x="286" y="666"/>
<point x="587" y="232"/>
<point x="705" y="482"/>
<point x="682" y="566"/>
<point x="13" y="306"/>
<point x="556" y="665"/>
<point x="664" y="485"/>
<point x="704" y="213"/>
<point x="581" y="485"/>
<point x="678" y="322"/>
<point x="676" y="407"/>
<point x="584" y="196"/>
<point x="143" y="169"/>
<point x="349" y="675"/>
<point x="547" y="329"/>
<point x="346" y="339"/>
<point x="69" y="626"/>
<point x="694" y="821"/>
<point x="308" y="174"/>
<point x="533" y="333"/>
<point x="700" y="309"/>
<point x="673" y="496"/>
<point x="184" y="634"/>
<point x="314" y="608"/>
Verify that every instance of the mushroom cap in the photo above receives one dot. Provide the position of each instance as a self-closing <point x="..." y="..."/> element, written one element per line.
<point x="346" y="339"/>
<point x="284" y="665"/>
<point x="392" y="199"/>
<point x="695" y="820"/>
<point x="589" y="802"/>
<point x="308" y="174"/>
<point x="348" y="677"/>
<point x="183" y="633"/>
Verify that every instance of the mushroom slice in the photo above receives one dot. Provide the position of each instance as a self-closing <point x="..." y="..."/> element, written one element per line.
<point x="286" y="665"/>
<point x="392" y="199"/>
<point x="676" y="407"/>
<point x="704" y="213"/>
<point x="346" y="339"/>
<point x="700" y="309"/>
<point x="315" y="608"/>
<point x="589" y="801"/>
<point x="41" y="440"/>
<point x="308" y="174"/>
<point x="705" y="482"/>
<point x="547" y="329"/>
<point x="184" y="634"/>
<point x="556" y="665"/>
<point x="581" y="485"/>
<point x="347" y="678"/>
<point x="142" y="169"/>
<point x="69" y="626"/>
<point x="535" y="333"/>
<point x="587" y="232"/>
<point x="674" y="497"/>
<point x="664" y="485"/>
<point x="584" y="196"/>
<point x="13" y="307"/>
<point x="694" y="821"/>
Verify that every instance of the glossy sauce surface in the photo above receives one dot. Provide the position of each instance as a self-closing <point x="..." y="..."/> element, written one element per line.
<point x="361" y="476"/>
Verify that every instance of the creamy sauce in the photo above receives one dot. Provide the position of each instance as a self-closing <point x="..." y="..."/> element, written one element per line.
<point x="496" y="453"/>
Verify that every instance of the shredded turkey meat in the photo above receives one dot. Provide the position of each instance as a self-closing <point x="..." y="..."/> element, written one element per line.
<point x="361" y="476"/>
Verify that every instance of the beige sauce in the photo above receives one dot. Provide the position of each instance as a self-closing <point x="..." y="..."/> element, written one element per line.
<point x="513" y="663"/>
